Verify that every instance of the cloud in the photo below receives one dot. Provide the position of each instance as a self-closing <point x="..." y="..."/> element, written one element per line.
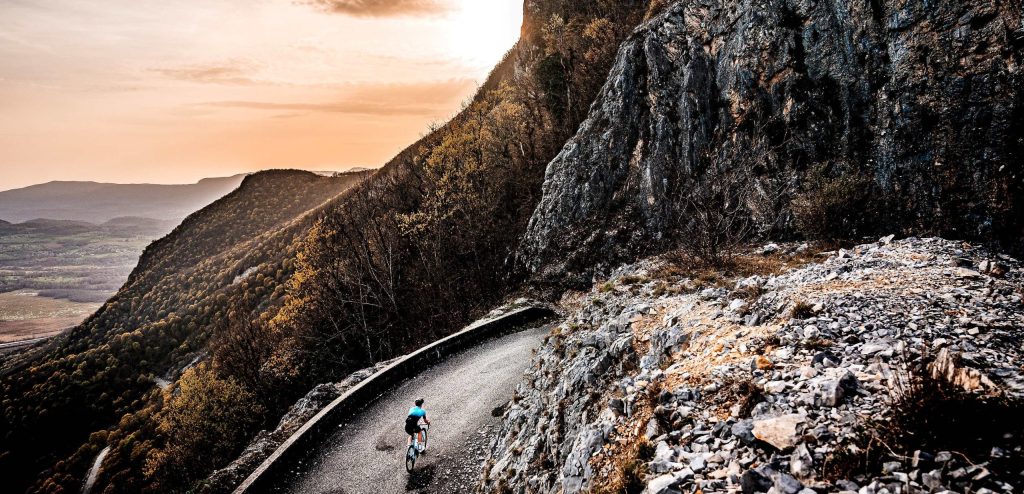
<point x="227" y="72"/>
<point x="428" y="99"/>
<point x="380" y="8"/>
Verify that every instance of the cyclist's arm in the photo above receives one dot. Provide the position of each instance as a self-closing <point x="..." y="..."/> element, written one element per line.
<point x="425" y="419"/>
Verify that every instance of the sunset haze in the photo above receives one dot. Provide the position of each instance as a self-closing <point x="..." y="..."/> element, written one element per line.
<point x="171" y="92"/>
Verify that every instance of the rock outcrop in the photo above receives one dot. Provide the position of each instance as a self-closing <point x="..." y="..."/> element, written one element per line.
<point x="796" y="387"/>
<point x="923" y="98"/>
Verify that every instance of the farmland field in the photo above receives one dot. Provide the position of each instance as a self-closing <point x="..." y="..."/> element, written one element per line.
<point x="53" y="274"/>
<point x="25" y="315"/>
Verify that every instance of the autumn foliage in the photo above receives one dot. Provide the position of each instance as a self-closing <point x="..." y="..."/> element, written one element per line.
<point x="265" y="294"/>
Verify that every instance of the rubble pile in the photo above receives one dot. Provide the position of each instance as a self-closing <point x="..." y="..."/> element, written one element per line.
<point x="775" y="383"/>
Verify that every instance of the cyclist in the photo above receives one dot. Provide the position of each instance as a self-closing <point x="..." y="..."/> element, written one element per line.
<point x="412" y="422"/>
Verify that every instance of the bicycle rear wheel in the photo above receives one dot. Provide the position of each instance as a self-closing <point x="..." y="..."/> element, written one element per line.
<point x="410" y="458"/>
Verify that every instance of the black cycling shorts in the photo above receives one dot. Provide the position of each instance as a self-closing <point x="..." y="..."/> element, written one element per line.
<point x="412" y="425"/>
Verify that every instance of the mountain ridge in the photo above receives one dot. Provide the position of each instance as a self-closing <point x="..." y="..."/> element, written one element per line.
<point x="257" y="225"/>
<point x="97" y="202"/>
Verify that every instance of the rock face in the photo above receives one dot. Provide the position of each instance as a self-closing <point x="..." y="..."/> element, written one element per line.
<point x="765" y="398"/>
<point x="925" y="98"/>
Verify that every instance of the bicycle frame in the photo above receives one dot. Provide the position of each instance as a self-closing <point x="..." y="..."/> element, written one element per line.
<point x="415" y="448"/>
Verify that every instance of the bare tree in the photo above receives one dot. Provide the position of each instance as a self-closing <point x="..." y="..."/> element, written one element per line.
<point x="714" y="219"/>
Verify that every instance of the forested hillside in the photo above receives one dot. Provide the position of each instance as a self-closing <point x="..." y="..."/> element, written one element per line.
<point x="98" y="382"/>
<point x="406" y="256"/>
<point x="401" y="256"/>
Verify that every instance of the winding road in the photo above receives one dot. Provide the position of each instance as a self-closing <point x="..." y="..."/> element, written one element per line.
<point x="463" y="396"/>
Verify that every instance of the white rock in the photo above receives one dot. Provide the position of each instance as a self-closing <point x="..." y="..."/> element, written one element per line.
<point x="811" y="332"/>
<point x="782" y="431"/>
<point x="662" y="484"/>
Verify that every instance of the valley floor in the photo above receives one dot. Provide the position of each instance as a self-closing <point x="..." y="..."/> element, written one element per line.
<point x="24" y="315"/>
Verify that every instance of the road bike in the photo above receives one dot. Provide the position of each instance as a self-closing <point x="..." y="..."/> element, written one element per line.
<point x="416" y="448"/>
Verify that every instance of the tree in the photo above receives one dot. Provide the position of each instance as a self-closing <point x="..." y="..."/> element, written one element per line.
<point x="204" y="424"/>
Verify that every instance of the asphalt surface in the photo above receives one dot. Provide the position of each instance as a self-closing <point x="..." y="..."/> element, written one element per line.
<point x="463" y="394"/>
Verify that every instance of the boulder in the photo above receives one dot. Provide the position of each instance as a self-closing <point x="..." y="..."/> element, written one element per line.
<point x="782" y="432"/>
<point x="663" y="484"/>
<point x="801" y="463"/>
<point x="830" y="389"/>
<point x="744" y="430"/>
<point x="754" y="481"/>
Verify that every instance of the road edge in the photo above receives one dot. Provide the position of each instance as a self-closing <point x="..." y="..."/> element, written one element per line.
<point x="314" y="430"/>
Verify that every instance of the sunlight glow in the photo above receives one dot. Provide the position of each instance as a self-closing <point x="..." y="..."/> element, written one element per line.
<point x="486" y="30"/>
<point x="172" y="92"/>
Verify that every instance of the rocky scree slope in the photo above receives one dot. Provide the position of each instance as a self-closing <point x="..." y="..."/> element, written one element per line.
<point x="736" y="102"/>
<point x="791" y="383"/>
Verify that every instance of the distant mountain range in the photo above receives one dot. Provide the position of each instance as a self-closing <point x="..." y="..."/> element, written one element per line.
<point x="123" y="224"/>
<point x="98" y="203"/>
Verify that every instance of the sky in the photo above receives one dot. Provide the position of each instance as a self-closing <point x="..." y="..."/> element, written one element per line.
<point x="161" y="91"/>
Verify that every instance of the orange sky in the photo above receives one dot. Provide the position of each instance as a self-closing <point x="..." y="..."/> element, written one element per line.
<point x="173" y="91"/>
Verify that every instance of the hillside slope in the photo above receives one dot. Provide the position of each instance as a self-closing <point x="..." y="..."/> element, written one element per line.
<point x="405" y="257"/>
<point x="889" y="367"/>
<point x="834" y="118"/>
<point x="96" y="202"/>
<point x="234" y="255"/>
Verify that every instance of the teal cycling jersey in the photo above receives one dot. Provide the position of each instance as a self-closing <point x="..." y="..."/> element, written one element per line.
<point x="417" y="412"/>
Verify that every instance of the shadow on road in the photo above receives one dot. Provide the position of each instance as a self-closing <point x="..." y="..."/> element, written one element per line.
<point x="421" y="477"/>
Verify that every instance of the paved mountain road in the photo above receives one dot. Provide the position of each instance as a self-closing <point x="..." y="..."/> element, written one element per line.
<point x="367" y="455"/>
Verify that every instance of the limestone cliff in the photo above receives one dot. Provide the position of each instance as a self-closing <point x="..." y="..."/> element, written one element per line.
<point x="923" y="98"/>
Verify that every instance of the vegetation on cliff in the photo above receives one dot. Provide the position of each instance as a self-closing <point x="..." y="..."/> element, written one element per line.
<point x="404" y="257"/>
<point x="96" y="384"/>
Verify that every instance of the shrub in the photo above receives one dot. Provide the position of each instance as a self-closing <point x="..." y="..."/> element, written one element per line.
<point x="714" y="221"/>
<point x="631" y="470"/>
<point x="930" y="414"/>
<point x="802" y="309"/>
<point x="204" y="426"/>
<point x="835" y="204"/>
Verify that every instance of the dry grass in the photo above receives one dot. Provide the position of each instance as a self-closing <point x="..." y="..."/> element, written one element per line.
<point x="802" y="309"/>
<point x="736" y="391"/>
<point x="817" y="344"/>
<point x="629" y="470"/>
<point x="932" y="415"/>
<point x="678" y="266"/>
